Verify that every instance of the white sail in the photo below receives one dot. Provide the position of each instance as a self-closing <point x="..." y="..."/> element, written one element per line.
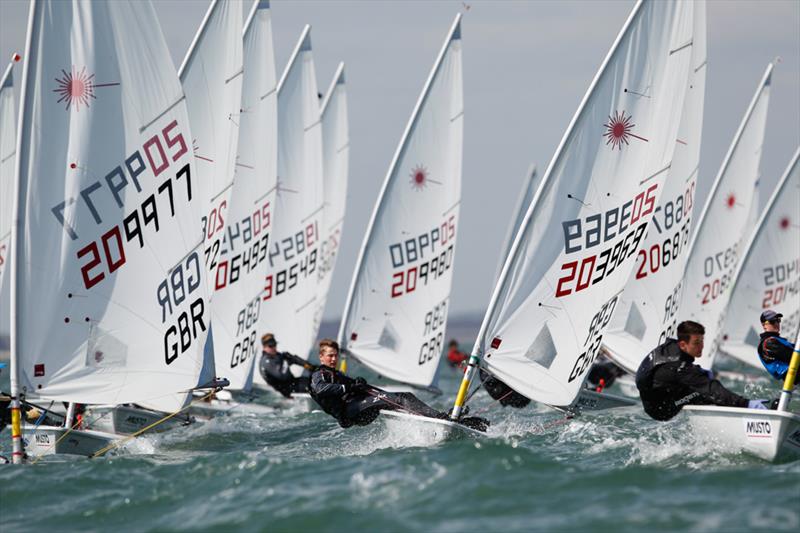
<point x="290" y="289"/>
<point x="769" y="274"/>
<point x="108" y="287"/>
<point x="8" y="148"/>
<point x="335" y="161"/>
<point x="715" y="249"/>
<point x="394" y="320"/>
<point x="236" y="312"/>
<point x="646" y="312"/>
<point x="529" y="186"/>
<point x="211" y="76"/>
<point x="577" y="245"/>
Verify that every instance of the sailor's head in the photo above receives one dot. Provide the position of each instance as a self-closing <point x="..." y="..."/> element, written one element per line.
<point x="453" y="344"/>
<point x="690" y="338"/>
<point x="269" y="344"/>
<point x="771" y="321"/>
<point x="328" y="352"/>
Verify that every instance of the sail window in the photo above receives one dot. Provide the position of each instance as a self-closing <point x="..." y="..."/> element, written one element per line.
<point x="543" y="350"/>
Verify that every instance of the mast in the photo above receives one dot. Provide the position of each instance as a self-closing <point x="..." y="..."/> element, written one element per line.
<point x="454" y="33"/>
<point x="18" y="451"/>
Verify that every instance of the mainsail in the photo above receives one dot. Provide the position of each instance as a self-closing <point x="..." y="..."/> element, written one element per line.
<point x="8" y="148"/>
<point x="529" y="186"/>
<point x="242" y="263"/>
<point x="715" y="249"/>
<point x="396" y="311"/>
<point x="335" y="161"/>
<point x="647" y="312"/>
<point x="108" y="288"/>
<point x="290" y="289"/>
<point x="769" y="274"/>
<point x="578" y="242"/>
<point x="211" y="76"/>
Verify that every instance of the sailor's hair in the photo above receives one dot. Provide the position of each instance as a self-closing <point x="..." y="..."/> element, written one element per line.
<point x="688" y="328"/>
<point x="328" y="343"/>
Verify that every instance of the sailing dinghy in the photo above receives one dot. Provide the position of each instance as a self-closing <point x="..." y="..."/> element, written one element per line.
<point x="211" y="78"/>
<point x="769" y="274"/>
<point x="290" y="290"/>
<point x="716" y="247"/>
<point x="240" y="269"/>
<point x="396" y="310"/>
<point x="106" y="259"/>
<point x="576" y="247"/>
<point x="647" y="312"/>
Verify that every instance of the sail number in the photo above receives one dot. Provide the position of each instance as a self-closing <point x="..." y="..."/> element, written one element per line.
<point x="408" y="254"/>
<point x="783" y="282"/>
<point x="247" y="323"/>
<point x="301" y="245"/>
<point x="171" y="293"/>
<point x="593" y="340"/>
<point x="433" y="333"/>
<point x="719" y="266"/>
<point x="662" y="254"/>
<point x="229" y="269"/>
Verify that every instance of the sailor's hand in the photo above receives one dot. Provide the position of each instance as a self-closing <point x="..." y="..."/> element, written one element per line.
<point x="756" y="404"/>
<point x="360" y="382"/>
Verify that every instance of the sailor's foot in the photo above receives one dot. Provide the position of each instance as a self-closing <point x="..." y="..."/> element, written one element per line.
<point x="475" y="422"/>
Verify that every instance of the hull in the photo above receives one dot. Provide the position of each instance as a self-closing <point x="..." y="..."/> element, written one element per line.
<point x="44" y="440"/>
<point x="769" y="435"/>
<point x="128" y="419"/>
<point x="302" y="402"/>
<point x="589" y="400"/>
<point x="418" y="430"/>
<point x="228" y="405"/>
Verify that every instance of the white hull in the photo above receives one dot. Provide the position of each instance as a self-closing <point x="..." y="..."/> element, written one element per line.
<point x="627" y="385"/>
<point x="128" y="419"/>
<point x="589" y="400"/>
<point x="228" y="406"/>
<point x="302" y="402"/>
<point x="44" y="440"/>
<point x="770" y="435"/>
<point x="424" y="431"/>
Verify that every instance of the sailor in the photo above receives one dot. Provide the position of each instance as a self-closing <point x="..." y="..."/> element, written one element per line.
<point x="668" y="379"/>
<point x="455" y="356"/>
<point x="275" y="368"/>
<point x="603" y="374"/>
<point x="774" y="351"/>
<point x="353" y="401"/>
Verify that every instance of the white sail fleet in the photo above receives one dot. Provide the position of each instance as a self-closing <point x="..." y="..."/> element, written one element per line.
<point x="156" y="222"/>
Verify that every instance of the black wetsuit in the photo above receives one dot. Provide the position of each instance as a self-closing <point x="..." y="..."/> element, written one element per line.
<point x="604" y="373"/>
<point x="668" y="379"/>
<point x="350" y="404"/>
<point x="502" y="392"/>
<point x="276" y="372"/>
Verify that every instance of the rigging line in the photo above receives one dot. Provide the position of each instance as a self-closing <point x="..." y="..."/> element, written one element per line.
<point x="471" y="394"/>
<point x="122" y="441"/>
<point x="500" y="399"/>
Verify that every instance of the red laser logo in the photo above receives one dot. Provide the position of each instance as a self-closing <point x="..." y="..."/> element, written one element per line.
<point x="419" y="177"/>
<point x="618" y="130"/>
<point x="76" y="88"/>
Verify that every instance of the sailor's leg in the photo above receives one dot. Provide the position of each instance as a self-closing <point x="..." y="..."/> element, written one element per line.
<point x="411" y="403"/>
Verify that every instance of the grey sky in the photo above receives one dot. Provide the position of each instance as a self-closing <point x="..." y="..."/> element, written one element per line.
<point x="526" y="68"/>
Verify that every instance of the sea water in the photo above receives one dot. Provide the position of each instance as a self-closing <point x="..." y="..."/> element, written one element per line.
<point x="299" y="471"/>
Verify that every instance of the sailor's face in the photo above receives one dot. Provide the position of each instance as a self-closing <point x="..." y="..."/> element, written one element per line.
<point x="694" y="346"/>
<point x="773" y="326"/>
<point x="270" y="349"/>
<point x="329" y="356"/>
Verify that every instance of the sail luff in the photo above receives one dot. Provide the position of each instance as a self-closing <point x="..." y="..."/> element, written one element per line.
<point x="301" y="44"/>
<point x="392" y="167"/>
<point x="337" y="78"/>
<point x="197" y="36"/>
<point x="25" y="110"/>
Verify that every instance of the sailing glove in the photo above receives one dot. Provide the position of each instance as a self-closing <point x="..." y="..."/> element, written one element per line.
<point x="360" y="383"/>
<point x="756" y="404"/>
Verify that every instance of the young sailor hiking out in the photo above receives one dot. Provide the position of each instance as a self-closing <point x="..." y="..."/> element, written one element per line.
<point x="276" y="366"/>
<point x="668" y="379"/>
<point x="774" y="351"/>
<point x="353" y="401"/>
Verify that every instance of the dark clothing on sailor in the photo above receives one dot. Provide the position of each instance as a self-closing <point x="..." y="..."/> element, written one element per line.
<point x="775" y="353"/>
<point x="668" y="379"/>
<point x="352" y="402"/>
<point x="501" y="392"/>
<point x="276" y="371"/>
